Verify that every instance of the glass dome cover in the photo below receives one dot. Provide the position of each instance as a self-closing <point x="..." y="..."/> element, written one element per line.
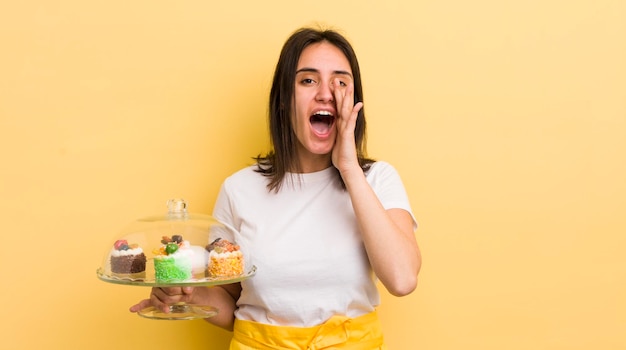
<point x="146" y="251"/>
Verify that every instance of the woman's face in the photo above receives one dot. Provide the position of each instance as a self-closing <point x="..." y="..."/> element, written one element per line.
<point x="322" y="68"/>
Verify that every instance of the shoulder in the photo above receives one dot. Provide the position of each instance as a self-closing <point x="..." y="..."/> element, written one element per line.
<point x="246" y="177"/>
<point x="381" y="168"/>
<point x="243" y="173"/>
<point x="383" y="174"/>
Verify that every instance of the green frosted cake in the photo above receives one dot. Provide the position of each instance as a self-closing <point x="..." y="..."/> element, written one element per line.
<point x="173" y="261"/>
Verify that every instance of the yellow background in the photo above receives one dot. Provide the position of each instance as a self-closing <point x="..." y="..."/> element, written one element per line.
<point x="506" y="120"/>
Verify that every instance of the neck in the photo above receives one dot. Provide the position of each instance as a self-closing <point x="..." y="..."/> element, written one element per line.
<point x="313" y="163"/>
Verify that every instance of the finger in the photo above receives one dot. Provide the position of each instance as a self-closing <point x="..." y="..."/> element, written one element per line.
<point x="140" y="305"/>
<point x="357" y="108"/>
<point x="342" y="97"/>
<point x="162" y="298"/>
<point x="348" y="102"/>
<point x="352" y="116"/>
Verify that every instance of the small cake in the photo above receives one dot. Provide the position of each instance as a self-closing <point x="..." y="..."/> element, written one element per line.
<point x="127" y="259"/>
<point x="225" y="259"/>
<point x="173" y="260"/>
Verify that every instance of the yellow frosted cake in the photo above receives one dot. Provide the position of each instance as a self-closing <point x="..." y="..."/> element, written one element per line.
<point x="225" y="259"/>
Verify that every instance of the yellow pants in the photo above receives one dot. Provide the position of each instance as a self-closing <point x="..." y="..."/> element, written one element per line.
<point x="339" y="332"/>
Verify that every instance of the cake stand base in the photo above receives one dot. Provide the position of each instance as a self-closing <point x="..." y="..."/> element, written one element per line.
<point x="180" y="311"/>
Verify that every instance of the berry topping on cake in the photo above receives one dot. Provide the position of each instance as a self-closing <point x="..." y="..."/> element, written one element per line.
<point x="222" y="246"/>
<point x="170" y="245"/>
<point x="171" y="248"/>
<point x="122" y="244"/>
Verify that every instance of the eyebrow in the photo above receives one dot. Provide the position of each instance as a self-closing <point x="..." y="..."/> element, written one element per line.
<point x="313" y="70"/>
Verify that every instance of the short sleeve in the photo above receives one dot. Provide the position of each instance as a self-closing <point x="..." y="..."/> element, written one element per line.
<point x="389" y="189"/>
<point x="223" y="212"/>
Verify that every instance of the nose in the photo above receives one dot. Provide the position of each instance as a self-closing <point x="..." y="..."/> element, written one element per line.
<point x="325" y="92"/>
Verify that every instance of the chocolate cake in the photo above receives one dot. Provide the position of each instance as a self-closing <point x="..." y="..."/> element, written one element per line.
<point x="127" y="259"/>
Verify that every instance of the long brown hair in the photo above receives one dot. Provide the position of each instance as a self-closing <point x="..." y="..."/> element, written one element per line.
<point x="283" y="156"/>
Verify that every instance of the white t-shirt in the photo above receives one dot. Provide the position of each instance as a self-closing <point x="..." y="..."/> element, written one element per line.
<point x="304" y="241"/>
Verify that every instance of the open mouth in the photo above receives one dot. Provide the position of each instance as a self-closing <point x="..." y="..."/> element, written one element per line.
<point x="322" y="122"/>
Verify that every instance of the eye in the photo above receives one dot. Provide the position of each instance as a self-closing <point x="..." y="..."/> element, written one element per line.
<point x="341" y="82"/>
<point x="307" y="81"/>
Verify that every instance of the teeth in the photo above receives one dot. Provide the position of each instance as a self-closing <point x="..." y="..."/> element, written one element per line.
<point x="324" y="113"/>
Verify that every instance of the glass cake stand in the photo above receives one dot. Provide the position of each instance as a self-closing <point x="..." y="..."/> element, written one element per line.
<point x="124" y="264"/>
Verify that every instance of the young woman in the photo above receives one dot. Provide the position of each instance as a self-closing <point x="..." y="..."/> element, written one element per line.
<point x="319" y="219"/>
